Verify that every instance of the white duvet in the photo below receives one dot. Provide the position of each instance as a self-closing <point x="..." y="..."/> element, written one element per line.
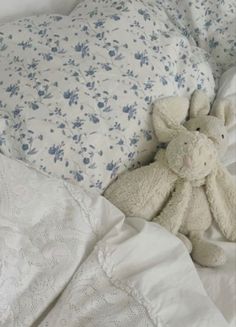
<point x="68" y="258"/>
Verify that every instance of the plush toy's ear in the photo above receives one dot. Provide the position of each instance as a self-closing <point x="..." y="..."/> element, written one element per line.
<point x="200" y="104"/>
<point x="168" y="114"/>
<point x="221" y="194"/>
<point x="223" y="109"/>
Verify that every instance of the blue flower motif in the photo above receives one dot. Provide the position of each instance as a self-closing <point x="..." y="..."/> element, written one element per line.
<point x="16" y="112"/>
<point x="12" y="89"/>
<point x="115" y="17"/>
<point x="62" y="125"/>
<point x="142" y="57"/>
<point x="78" y="176"/>
<point x="34" y="105"/>
<point x="72" y="96"/>
<point x="112" y="53"/>
<point x="2" y="139"/>
<point x="47" y="56"/>
<point x="163" y="80"/>
<point x="144" y="13"/>
<point x="25" y="147"/>
<point x="57" y="152"/>
<point x="25" y="44"/>
<point x="93" y="118"/>
<point x="106" y="67"/>
<point x="78" y="123"/>
<point x="86" y="161"/>
<point x="99" y="23"/>
<point x="180" y="79"/>
<point x="130" y="110"/>
<point x="91" y="71"/>
<point x="213" y="43"/>
<point x="134" y="139"/>
<point x="83" y="48"/>
<point x="113" y="168"/>
<point x="3" y="46"/>
<point x="147" y="135"/>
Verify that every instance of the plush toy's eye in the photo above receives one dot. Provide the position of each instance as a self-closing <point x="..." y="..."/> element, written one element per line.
<point x="198" y="129"/>
<point x="205" y="163"/>
<point x="222" y="136"/>
<point x="185" y="142"/>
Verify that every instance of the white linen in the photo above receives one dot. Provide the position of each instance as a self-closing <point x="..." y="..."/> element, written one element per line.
<point x="220" y="283"/>
<point x="13" y="9"/>
<point x="227" y="89"/>
<point x="52" y="275"/>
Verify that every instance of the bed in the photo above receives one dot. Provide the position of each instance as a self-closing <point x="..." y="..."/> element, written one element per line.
<point x="76" y="94"/>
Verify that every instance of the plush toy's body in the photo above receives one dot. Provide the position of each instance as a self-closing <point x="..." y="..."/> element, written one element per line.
<point x="184" y="189"/>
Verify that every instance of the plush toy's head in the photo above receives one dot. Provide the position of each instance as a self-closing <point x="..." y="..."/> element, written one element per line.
<point x="191" y="155"/>
<point x="214" y="126"/>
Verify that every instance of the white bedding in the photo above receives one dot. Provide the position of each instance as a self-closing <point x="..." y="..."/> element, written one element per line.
<point x="13" y="9"/>
<point x="227" y="89"/>
<point x="75" y="103"/>
<point x="220" y="283"/>
<point x="58" y="240"/>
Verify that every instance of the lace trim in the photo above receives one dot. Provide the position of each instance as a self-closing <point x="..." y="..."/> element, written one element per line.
<point x="107" y="265"/>
<point x="90" y="217"/>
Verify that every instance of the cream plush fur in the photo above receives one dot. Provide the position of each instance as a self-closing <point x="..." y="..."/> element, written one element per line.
<point x="186" y="187"/>
<point x="214" y="125"/>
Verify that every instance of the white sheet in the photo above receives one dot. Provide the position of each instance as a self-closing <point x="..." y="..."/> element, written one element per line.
<point x="13" y="9"/>
<point x="227" y="89"/>
<point x="220" y="283"/>
<point x="136" y="275"/>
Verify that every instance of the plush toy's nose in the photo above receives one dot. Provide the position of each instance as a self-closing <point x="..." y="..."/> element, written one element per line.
<point x="187" y="161"/>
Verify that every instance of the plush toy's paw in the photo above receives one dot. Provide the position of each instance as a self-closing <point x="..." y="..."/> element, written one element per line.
<point x="186" y="242"/>
<point x="207" y="254"/>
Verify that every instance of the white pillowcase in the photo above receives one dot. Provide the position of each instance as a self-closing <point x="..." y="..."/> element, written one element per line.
<point x="12" y="9"/>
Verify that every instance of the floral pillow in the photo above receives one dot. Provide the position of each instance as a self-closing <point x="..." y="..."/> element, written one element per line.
<point x="76" y="91"/>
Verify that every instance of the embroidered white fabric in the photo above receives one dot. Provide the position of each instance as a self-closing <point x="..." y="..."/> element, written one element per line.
<point x="67" y="258"/>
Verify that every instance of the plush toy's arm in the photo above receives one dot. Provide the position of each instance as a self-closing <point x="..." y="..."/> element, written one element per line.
<point x="221" y="194"/>
<point x="171" y="216"/>
<point x="134" y="190"/>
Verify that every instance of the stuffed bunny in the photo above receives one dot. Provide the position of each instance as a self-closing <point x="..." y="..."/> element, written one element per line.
<point x="184" y="188"/>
